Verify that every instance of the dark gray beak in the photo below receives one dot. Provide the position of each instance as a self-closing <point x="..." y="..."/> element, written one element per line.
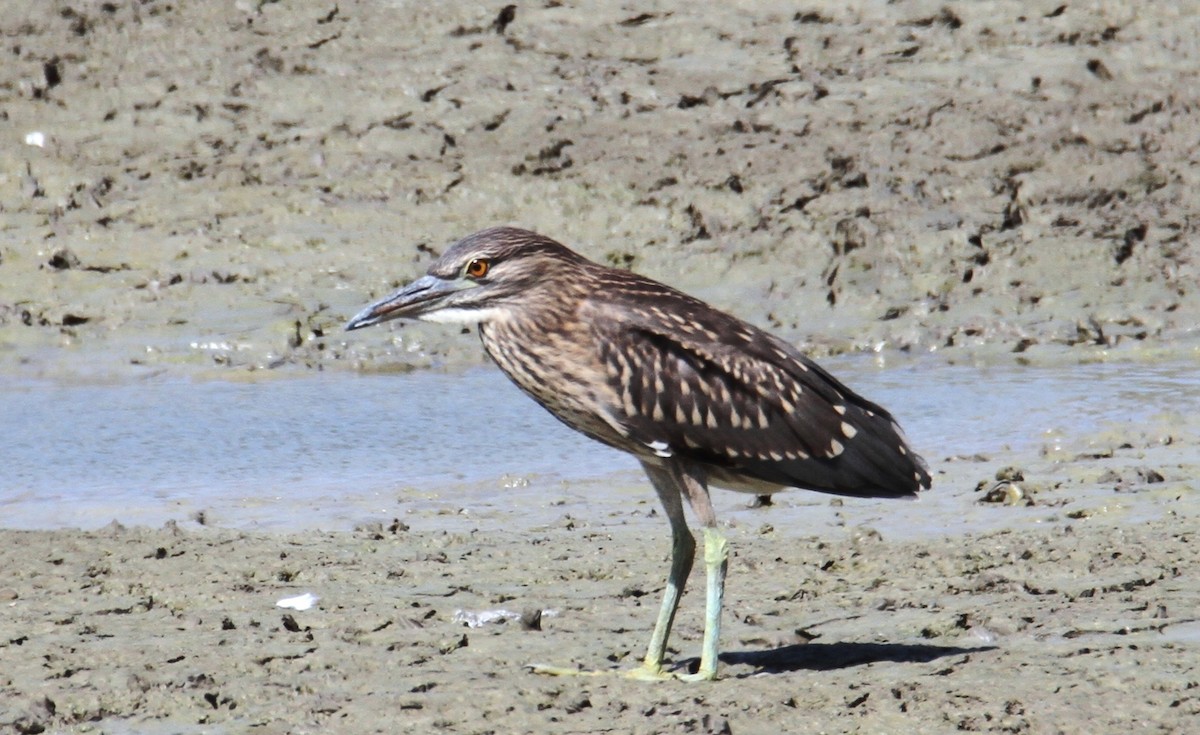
<point x="422" y="296"/>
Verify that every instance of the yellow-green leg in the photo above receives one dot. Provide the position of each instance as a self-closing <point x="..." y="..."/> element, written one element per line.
<point x="672" y="482"/>
<point x="691" y="481"/>
<point x="716" y="562"/>
<point x="683" y="554"/>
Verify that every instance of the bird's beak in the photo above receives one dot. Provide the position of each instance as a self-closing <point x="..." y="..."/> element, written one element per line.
<point x="422" y="296"/>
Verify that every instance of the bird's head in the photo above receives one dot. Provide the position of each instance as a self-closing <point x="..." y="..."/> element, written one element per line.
<point x="474" y="281"/>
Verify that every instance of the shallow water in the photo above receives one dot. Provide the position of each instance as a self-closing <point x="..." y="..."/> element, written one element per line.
<point x="335" y="449"/>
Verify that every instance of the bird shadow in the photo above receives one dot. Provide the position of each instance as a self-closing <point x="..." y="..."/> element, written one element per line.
<point x="828" y="656"/>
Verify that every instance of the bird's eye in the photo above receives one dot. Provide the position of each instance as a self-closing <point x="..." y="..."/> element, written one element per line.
<point x="478" y="268"/>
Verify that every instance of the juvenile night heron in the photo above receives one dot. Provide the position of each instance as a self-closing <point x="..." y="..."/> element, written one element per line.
<point x="698" y="396"/>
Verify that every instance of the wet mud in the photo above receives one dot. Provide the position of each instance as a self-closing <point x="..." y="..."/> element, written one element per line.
<point x="211" y="189"/>
<point x="221" y="185"/>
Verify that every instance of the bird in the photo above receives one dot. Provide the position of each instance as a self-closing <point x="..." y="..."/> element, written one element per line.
<point x="698" y="396"/>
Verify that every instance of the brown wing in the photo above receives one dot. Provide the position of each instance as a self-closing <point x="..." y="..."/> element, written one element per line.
<point x="698" y="383"/>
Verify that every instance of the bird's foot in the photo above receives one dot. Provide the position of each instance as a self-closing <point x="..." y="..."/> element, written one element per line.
<point x="548" y="670"/>
<point x="645" y="672"/>
<point x="698" y="676"/>
<point x="650" y="672"/>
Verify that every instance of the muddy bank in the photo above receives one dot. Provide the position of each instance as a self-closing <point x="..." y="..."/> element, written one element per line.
<point x="1089" y="628"/>
<point x="220" y="185"/>
<point x="212" y="188"/>
<point x="1078" y="615"/>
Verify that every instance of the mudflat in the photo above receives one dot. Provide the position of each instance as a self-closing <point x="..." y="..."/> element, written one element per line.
<point x="210" y="189"/>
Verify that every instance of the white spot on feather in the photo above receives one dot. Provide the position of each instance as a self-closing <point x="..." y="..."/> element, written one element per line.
<point x="848" y="430"/>
<point x="835" y="448"/>
<point x="627" y="403"/>
<point x="661" y="448"/>
<point x="724" y="396"/>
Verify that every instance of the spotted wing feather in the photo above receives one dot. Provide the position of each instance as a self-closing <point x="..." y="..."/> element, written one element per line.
<point x="696" y="382"/>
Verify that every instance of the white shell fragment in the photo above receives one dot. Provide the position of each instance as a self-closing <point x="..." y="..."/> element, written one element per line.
<point x="299" y="602"/>
<point x="483" y="617"/>
<point x="480" y="618"/>
<point x="36" y="138"/>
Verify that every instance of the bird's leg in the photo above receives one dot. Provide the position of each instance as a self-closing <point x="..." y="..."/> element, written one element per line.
<point x="683" y="552"/>
<point x="716" y="562"/>
<point x="672" y="483"/>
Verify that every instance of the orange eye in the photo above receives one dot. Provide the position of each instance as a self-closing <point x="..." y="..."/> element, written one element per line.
<point x="478" y="268"/>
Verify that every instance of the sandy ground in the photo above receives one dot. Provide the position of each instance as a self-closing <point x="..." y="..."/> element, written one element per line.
<point x="1085" y="622"/>
<point x="214" y="187"/>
